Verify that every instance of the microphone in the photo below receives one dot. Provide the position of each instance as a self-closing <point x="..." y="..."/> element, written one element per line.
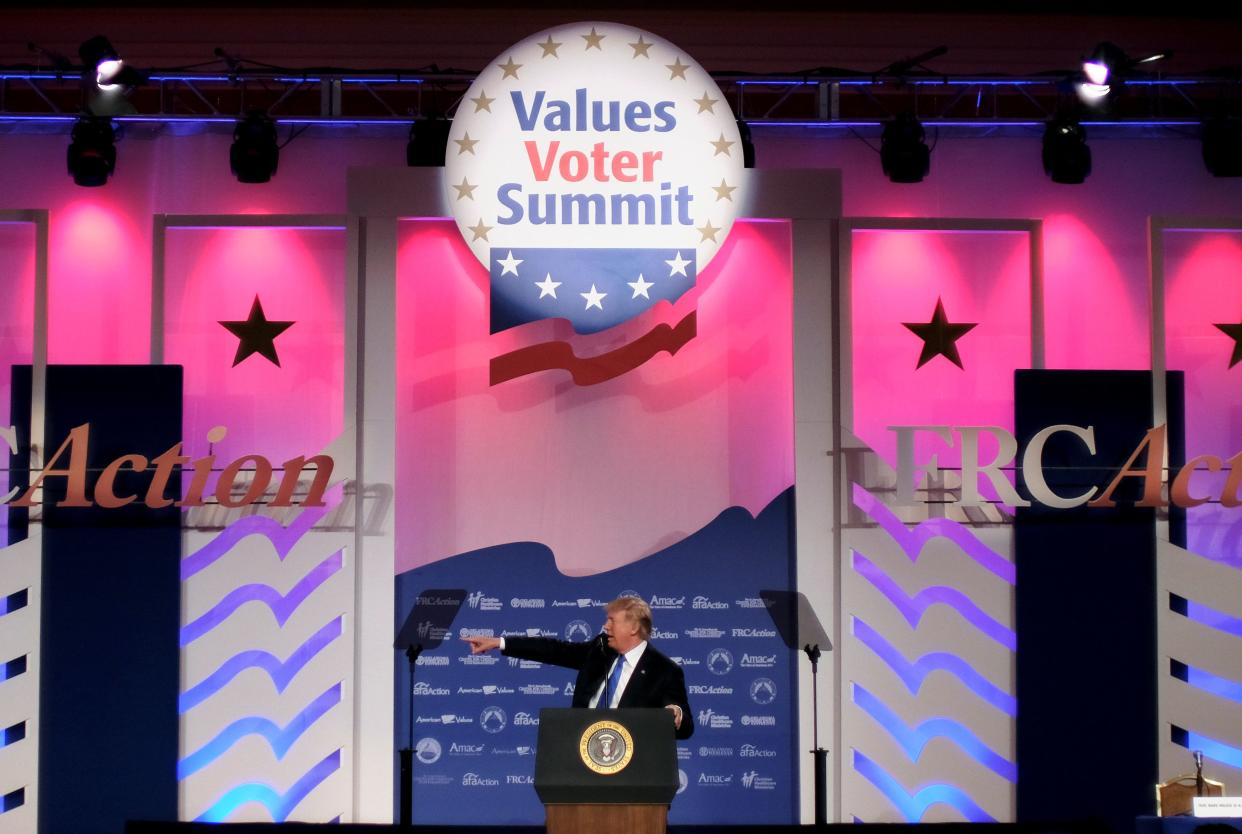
<point x="601" y="641"/>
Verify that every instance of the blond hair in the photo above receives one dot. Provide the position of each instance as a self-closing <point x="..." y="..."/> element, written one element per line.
<point x="636" y="610"/>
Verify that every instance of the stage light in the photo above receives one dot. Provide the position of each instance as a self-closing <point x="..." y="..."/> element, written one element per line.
<point x="255" y="153"/>
<point x="1222" y="146"/>
<point x="106" y="79"/>
<point x="904" y="154"/>
<point x="428" y="138"/>
<point x="92" y="152"/>
<point x="100" y="59"/>
<point x="1106" y="68"/>
<point x="1067" y="158"/>
<point x="748" y="144"/>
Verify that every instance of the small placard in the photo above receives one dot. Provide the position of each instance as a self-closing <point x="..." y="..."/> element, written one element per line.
<point x="1218" y="806"/>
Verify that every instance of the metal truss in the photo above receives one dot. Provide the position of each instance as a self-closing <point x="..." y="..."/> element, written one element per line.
<point x="829" y="99"/>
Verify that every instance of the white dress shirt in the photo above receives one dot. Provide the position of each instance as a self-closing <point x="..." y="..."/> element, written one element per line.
<point x="631" y="663"/>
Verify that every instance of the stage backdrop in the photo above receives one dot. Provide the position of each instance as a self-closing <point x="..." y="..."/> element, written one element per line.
<point x="544" y="499"/>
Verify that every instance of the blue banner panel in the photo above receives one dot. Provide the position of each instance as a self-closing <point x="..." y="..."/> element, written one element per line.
<point x="476" y="717"/>
<point x="111" y="608"/>
<point x="1086" y="581"/>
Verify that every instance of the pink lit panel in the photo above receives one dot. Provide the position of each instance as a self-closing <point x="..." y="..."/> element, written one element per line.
<point x="100" y="283"/>
<point x="603" y="475"/>
<point x="1203" y="287"/>
<point x="897" y="277"/>
<point x="213" y="275"/>
<point x="1092" y="322"/>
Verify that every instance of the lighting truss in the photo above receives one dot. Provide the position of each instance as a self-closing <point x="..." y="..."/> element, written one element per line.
<point x="345" y="97"/>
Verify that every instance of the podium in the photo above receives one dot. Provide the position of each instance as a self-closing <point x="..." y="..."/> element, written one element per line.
<point x="608" y="771"/>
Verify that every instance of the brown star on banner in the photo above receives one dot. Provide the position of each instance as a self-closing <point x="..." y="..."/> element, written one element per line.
<point x="257" y="335"/>
<point x="1233" y="331"/>
<point x="939" y="336"/>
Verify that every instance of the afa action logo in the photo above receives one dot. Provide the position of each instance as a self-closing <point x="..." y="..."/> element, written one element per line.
<point x="594" y="169"/>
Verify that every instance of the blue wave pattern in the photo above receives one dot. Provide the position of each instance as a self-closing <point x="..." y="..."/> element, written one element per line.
<point x="282" y="672"/>
<point x="282" y="605"/>
<point x="913" y="541"/>
<point x="914" y="806"/>
<point x="1223" y="687"/>
<point x="913" y="674"/>
<point x="1219" y="620"/>
<point x="913" y="608"/>
<point x="280" y="739"/>
<point x="913" y="740"/>
<point x="14" y="601"/>
<point x="1212" y="748"/>
<point x="278" y="805"/>
<point x="282" y="538"/>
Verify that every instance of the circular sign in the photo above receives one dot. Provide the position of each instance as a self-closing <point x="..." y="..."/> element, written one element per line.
<point x="763" y="691"/>
<point x="606" y="747"/>
<point x="587" y="154"/>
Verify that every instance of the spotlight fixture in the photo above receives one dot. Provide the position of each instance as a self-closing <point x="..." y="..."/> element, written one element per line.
<point x="106" y="79"/>
<point x="1222" y="146"/>
<point x="904" y="154"/>
<point x="92" y="152"/>
<point x="1067" y="158"/>
<point x="428" y="139"/>
<point x="255" y="153"/>
<point x="748" y="144"/>
<point x="1106" y="68"/>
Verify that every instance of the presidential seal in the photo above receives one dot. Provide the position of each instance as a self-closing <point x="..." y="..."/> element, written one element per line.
<point x="606" y="747"/>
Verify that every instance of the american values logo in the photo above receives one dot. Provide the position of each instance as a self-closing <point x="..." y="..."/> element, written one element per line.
<point x="427" y="750"/>
<point x="763" y="691"/>
<point x="578" y="631"/>
<point x="720" y="661"/>
<point x="493" y="719"/>
<point x="594" y="169"/>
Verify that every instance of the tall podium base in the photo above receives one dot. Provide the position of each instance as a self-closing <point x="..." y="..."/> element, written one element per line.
<point x="607" y="819"/>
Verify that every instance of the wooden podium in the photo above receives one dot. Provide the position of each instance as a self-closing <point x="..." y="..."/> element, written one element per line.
<point x="606" y="771"/>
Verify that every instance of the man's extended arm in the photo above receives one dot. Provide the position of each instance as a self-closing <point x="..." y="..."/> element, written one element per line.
<point x="541" y="649"/>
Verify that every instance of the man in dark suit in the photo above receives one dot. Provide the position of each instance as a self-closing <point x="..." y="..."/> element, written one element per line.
<point x="619" y="668"/>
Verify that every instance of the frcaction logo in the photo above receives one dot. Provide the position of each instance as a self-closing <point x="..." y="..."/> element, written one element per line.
<point x="594" y="169"/>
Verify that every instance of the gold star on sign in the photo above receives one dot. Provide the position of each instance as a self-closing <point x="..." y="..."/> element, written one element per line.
<point x="510" y="69"/>
<point x="706" y="103"/>
<point x="480" y="231"/>
<point x="593" y="40"/>
<point x="708" y="232"/>
<point x="640" y="47"/>
<point x="549" y="47"/>
<point x="466" y="189"/>
<point x="721" y="145"/>
<point x="466" y="144"/>
<point x="724" y="191"/>
<point x="677" y="69"/>
<point x="482" y="102"/>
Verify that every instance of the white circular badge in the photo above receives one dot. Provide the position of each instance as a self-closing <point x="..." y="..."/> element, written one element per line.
<point x="594" y="154"/>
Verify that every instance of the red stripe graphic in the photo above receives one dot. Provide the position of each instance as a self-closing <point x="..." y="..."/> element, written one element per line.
<point x="548" y="356"/>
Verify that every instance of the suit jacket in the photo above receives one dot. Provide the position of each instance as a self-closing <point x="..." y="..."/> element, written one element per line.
<point x="655" y="682"/>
